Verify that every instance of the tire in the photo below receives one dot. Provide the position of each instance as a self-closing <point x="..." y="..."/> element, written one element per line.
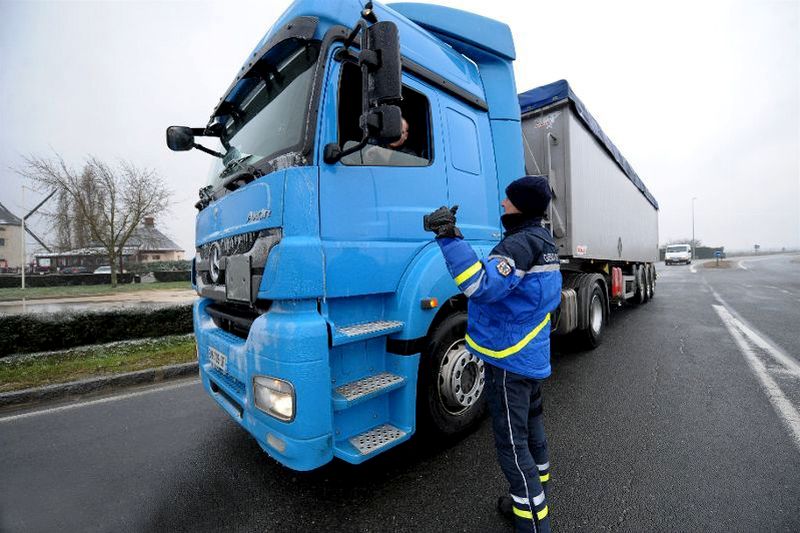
<point x="451" y="396"/>
<point x="652" y="270"/>
<point x="591" y="337"/>
<point x="648" y="283"/>
<point x="641" y="291"/>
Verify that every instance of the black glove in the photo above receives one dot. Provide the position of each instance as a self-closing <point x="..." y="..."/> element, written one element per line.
<point x="442" y="222"/>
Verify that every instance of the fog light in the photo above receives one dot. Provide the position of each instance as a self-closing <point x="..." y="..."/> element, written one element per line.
<point x="275" y="397"/>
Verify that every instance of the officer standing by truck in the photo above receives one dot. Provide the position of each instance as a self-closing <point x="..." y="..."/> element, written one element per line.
<point x="511" y="296"/>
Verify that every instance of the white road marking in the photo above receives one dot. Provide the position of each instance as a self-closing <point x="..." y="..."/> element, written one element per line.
<point x="783" y="407"/>
<point x="740" y="264"/>
<point x="761" y="340"/>
<point x="98" y="401"/>
<point x="693" y="269"/>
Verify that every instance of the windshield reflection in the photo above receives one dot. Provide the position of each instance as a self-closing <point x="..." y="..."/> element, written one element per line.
<point x="270" y="118"/>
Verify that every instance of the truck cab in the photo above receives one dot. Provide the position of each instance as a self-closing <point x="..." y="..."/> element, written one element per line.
<point x="327" y="320"/>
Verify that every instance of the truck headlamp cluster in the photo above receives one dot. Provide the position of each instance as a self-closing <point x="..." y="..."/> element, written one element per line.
<point x="274" y="397"/>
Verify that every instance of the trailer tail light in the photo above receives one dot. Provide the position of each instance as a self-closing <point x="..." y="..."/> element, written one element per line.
<point x="617" y="286"/>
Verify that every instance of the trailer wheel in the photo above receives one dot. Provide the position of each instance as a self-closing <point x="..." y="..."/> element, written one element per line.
<point x="451" y="381"/>
<point x="652" y="271"/>
<point x="641" y="285"/>
<point x="591" y="337"/>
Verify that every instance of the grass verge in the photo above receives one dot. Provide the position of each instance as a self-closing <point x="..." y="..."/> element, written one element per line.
<point x="37" y="370"/>
<point x="713" y="264"/>
<point x="37" y="293"/>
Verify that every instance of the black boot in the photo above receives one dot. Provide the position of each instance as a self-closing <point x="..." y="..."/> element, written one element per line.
<point x="504" y="504"/>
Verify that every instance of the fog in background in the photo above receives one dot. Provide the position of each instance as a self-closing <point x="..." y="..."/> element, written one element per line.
<point x="701" y="97"/>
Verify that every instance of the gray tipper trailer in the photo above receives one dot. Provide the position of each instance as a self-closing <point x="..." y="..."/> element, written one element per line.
<point x="603" y="218"/>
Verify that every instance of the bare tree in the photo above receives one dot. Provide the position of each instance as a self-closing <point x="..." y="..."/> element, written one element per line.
<point x="109" y="201"/>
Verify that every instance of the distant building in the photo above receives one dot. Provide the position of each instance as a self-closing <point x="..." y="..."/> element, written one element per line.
<point x="10" y="239"/>
<point x="146" y="245"/>
<point x="152" y="245"/>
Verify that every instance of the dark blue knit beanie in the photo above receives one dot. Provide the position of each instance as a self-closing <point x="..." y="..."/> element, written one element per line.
<point x="530" y="194"/>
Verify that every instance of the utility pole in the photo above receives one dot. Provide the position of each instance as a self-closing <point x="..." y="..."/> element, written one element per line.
<point x="693" y="241"/>
<point x="22" y="238"/>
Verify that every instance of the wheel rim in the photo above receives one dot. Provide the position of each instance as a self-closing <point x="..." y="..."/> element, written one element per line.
<point x="461" y="378"/>
<point x="596" y="314"/>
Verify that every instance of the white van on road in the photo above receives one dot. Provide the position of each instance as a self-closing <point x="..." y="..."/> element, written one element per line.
<point x="678" y="253"/>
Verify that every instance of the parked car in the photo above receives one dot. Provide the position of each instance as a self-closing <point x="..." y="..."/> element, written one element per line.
<point x="76" y="270"/>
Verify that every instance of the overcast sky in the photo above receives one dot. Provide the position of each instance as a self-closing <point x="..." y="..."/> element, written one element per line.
<point x="703" y="98"/>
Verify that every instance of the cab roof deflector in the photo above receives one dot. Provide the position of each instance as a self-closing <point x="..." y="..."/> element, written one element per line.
<point x="486" y="34"/>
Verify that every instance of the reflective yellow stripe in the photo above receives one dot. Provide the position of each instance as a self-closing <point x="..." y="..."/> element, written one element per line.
<point x="545" y="477"/>
<point x="514" y="349"/>
<point x="523" y="514"/>
<point x="468" y="273"/>
<point x="527" y="514"/>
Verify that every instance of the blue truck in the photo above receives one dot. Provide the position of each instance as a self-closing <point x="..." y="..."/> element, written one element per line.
<point x="327" y="324"/>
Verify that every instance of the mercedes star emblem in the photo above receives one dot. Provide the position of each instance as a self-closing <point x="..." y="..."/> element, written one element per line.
<point x="214" y="261"/>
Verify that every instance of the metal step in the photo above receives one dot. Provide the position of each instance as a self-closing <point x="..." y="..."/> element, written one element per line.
<point x="376" y="438"/>
<point x="366" y="330"/>
<point x="356" y="391"/>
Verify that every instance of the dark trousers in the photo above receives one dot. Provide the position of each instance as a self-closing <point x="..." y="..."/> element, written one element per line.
<point x="515" y="403"/>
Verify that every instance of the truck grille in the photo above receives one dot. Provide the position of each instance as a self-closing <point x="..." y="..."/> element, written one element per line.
<point x="230" y="269"/>
<point x="234" y="319"/>
<point x="233" y="245"/>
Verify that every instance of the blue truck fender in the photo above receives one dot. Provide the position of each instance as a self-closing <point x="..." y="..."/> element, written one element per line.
<point x="426" y="277"/>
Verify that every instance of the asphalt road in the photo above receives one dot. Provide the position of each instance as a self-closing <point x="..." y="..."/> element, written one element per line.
<point x="681" y="421"/>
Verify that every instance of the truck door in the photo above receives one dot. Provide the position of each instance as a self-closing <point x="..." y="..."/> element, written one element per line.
<point x="471" y="176"/>
<point x="372" y="201"/>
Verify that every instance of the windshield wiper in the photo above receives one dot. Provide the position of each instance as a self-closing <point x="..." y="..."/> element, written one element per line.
<point x="238" y="173"/>
<point x="238" y="162"/>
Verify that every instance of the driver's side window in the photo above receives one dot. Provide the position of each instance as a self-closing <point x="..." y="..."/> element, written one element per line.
<point x="413" y="149"/>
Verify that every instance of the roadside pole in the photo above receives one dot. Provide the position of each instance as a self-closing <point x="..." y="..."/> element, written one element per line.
<point x="693" y="242"/>
<point x="22" y="239"/>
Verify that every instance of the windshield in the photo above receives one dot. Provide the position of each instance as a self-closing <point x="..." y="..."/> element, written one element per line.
<point x="270" y="118"/>
<point x="681" y="248"/>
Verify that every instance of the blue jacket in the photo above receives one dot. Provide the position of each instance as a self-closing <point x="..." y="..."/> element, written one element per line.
<point x="511" y="296"/>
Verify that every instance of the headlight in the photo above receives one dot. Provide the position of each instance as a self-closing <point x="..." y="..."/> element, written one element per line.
<point x="275" y="397"/>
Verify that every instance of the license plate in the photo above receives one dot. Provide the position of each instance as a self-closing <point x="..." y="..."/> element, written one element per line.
<point x="218" y="360"/>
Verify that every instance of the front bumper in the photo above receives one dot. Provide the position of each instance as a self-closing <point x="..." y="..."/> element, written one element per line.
<point x="289" y="342"/>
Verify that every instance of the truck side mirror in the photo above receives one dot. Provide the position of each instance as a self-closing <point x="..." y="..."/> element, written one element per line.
<point x="180" y="138"/>
<point x="385" y="123"/>
<point x="379" y="61"/>
<point x="383" y="41"/>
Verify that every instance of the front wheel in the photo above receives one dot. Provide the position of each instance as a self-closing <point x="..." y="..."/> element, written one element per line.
<point x="450" y="395"/>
